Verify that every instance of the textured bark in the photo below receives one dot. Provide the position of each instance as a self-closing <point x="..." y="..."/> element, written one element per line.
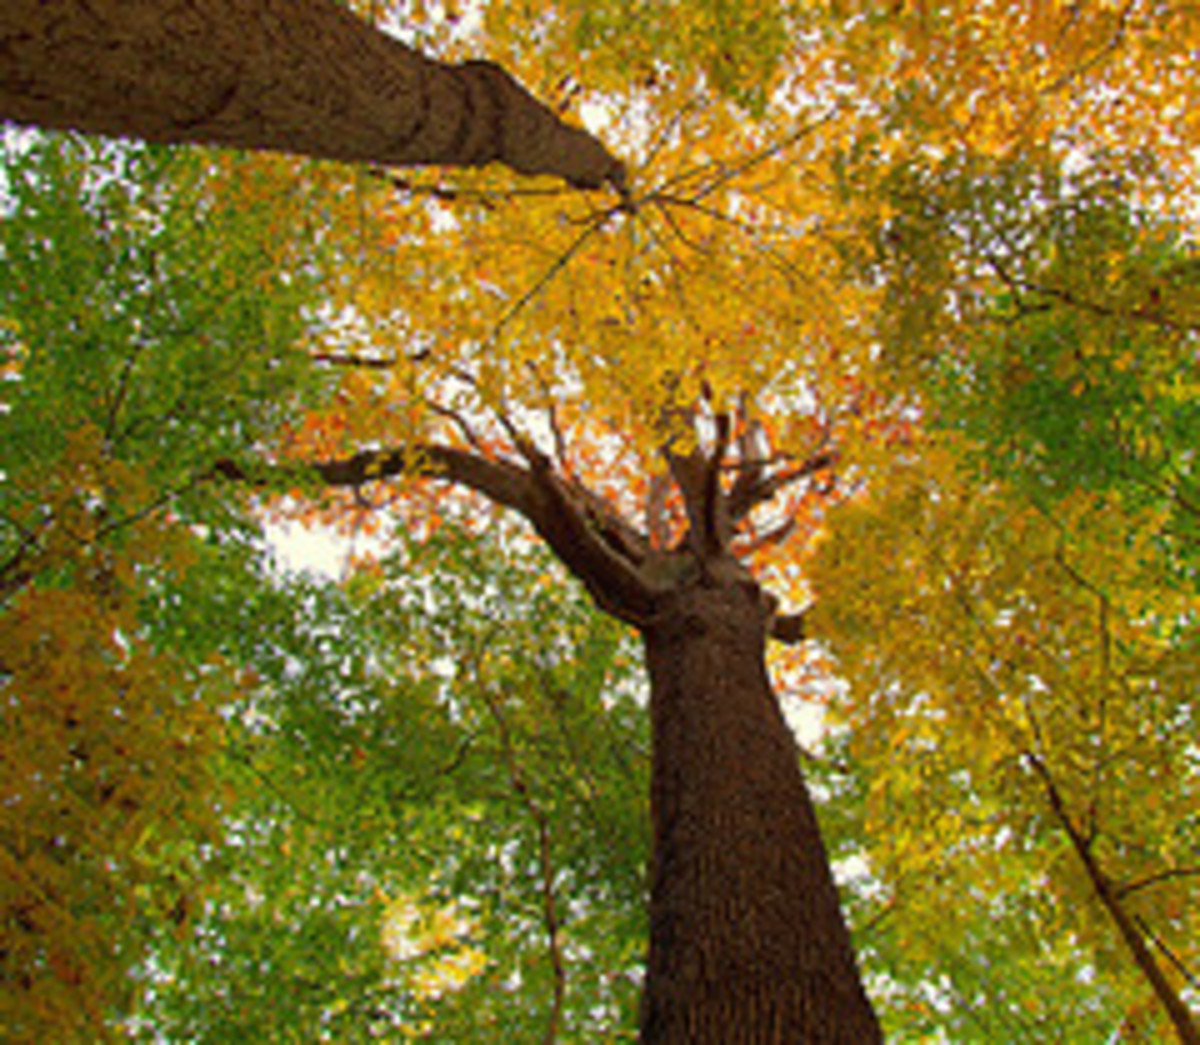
<point x="747" y="940"/>
<point x="297" y="76"/>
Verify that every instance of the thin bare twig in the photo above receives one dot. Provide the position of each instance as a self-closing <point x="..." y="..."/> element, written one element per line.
<point x="543" y="281"/>
<point x="767" y="153"/>
<point x="1151" y="880"/>
<point x="352" y="361"/>
<point x="556" y="432"/>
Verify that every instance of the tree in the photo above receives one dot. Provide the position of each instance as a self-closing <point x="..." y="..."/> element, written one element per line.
<point x="580" y="364"/>
<point x="745" y="926"/>
<point x="300" y="77"/>
<point x="1025" y="737"/>
<point x="1041" y="616"/>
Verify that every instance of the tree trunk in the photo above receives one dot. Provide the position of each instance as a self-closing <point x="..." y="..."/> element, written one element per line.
<point x="1175" y="1008"/>
<point x="747" y="940"/>
<point x="297" y="76"/>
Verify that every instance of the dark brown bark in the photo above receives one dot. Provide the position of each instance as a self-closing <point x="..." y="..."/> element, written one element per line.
<point x="747" y="940"/>
<point x="1182" y="1021"/>
<point x="296" y="76"/>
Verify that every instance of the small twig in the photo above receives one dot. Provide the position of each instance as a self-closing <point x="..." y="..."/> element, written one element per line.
<point x="556" y="432"/>
<point x="546" y="278"/>
<point x="122" y="391"/>
<point x="673" y="225"/>
<point x="767" y="153"/>
<point x="348" y="359"/>
<point x="1151" y="880"/>
<point x="464" y="428"/>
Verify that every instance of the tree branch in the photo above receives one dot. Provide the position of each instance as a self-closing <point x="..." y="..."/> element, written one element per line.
<point x="1129" y="888"/>
<point x="690" y="472"/>
<point x="1177" y="1011"/>
<point x="306" y="77"/>
<point x="535" y="492"/>
<point x="754" y="454"/>
<point x="771" y="538"/>
<point x="697" y="474"/>
<point x="745" y="497"/>
<point x="612" y="579"/>
<point x="1019" y="285"/>
<point x="657" y="524"/>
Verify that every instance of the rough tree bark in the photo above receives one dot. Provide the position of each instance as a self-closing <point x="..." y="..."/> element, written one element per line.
<point x="748" y="945"/>
<point x="297" y="76"/>
<point x="747" y="941"/>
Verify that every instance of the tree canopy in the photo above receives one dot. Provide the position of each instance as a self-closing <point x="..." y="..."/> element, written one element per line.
<point x="896" y="312"/>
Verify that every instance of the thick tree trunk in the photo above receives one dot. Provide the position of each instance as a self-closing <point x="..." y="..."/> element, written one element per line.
<point x="297" y="76"/>
<point x="747" y="940"/>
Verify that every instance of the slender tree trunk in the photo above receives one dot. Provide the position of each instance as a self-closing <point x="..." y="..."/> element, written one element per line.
<point x="297" y="76"/>
<point x="1176" y="1010"/>
<point x="747" y="940"/>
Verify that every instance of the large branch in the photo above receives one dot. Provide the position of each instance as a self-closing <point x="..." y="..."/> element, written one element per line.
<point x="296" y="76"/>
<point x="536" y="493"/>
<point x="584" y="546"/>
<point x="499" y="481"/>
<point x="698" y="476"/>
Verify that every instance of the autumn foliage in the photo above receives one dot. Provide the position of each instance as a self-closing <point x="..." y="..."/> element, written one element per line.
<point x="912" y="288"/>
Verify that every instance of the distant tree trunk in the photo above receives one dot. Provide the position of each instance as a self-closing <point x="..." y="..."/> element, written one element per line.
<point x="1173" y="1006"/>
<point x="297" y="76"/>
<point x="747" y="941"/>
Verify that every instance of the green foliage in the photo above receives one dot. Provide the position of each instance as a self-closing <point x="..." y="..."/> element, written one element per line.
<point x="950" y="953"/>
<point x="1022" y="671"/>
<point x="1087" y="382"/>
<point x="455" y="729"/>
<point x="134" y="356"/>
<point x="739" y="48"/>
<point x="140" y="302"/>
<point x="1032" y="639"/>
<point x="1001" y="640"/>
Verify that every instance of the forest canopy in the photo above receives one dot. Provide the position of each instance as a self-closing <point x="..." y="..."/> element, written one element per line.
<point x="860" y="405"/>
